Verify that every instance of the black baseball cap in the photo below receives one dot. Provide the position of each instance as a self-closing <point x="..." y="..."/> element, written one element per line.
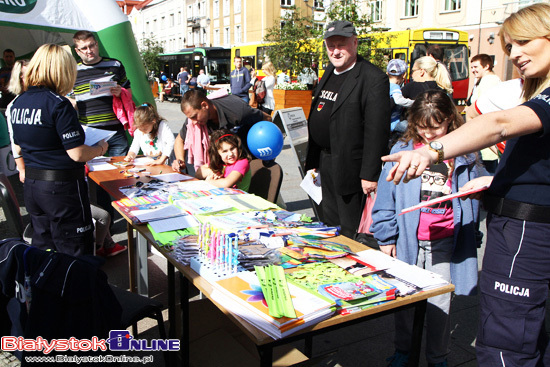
<point x="340" y="28"/>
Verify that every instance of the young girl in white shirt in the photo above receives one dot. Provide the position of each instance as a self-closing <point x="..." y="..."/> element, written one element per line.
<point x="152" y="136"/>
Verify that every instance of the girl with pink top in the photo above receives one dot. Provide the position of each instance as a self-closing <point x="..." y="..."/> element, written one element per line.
<point x="229" y="163"/>
<point x="441" y="238"/>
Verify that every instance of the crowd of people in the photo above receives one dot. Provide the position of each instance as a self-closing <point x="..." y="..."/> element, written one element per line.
<point x="358" y="114"/>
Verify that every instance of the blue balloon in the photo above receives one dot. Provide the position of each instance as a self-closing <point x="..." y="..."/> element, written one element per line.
<point x="163" y="78"/>
<point x="265" y="140"/>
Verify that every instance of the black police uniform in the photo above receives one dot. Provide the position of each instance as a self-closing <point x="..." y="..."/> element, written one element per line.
<point x="516" y="265"/>
<point x="45" y="125"/>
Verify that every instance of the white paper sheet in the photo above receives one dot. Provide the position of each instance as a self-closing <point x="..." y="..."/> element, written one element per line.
<point x="172" y="224"/>
<point x="93" y="135"/>
<point x="141" y="161"/>
<point x="172" y="177"/>
<point x="165" y="211"/>
<point x="100" y="166"/>
<point x="311" y="184"/>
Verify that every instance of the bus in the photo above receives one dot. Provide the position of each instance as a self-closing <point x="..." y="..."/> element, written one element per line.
<point x="407" y="45"/>
<point x="253" y="55"/>
<point x="215" y="61"/>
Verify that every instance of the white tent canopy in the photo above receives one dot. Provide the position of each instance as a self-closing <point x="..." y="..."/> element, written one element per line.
<point x="25" y="25"/>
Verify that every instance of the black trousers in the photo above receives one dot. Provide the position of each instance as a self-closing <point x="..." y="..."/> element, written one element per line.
<point x="514" y="288"/>
<point x="61" y="216"/>
<point x="338" y="210"/>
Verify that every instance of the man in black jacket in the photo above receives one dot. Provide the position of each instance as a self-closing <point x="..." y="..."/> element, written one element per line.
<point x="349" y="126"/>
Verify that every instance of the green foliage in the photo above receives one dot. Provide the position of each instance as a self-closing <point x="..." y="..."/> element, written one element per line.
<point x="294" y="42"/>
<point x="368" y="45"/>
<point x="150" y="50"/>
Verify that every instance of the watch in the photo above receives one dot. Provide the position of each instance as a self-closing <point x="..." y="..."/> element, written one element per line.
<point x="438" y="148"/>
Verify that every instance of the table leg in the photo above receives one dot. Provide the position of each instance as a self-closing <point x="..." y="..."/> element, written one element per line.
<point x="143" y="278"/>
<point x="308" y="347"/>
<point x="171" y="298"/>
<point x="184" y="305"/>
<point x="418" y="326"/>
<point x="131" y="258"/>
<point x="266" y="355"/>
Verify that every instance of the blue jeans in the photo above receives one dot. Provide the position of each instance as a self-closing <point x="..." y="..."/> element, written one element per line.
<point x="246" y="99"/>
<point x="118" y="144"/>
<point x="183" y="88"/>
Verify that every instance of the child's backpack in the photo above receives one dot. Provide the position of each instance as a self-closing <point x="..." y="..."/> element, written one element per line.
<point x="260" y="91"/>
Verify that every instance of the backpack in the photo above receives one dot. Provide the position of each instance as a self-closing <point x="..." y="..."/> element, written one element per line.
<point x="260" y="91"/>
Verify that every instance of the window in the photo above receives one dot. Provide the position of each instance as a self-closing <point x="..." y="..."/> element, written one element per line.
<point x="216" y="37"/>
<point x="238" y="36"/>
<point x="237" y="6"/>
<point x="411" y="8"/>
<point x="202" y="9"/>
<point x="452" y="5"/>
<point x="376" y="11"/>
<point x="226" y="36"/>
<point x="216" y="9"/>
<point x="318" y="4"/>
<point x="287" y="2"/>
<point x="189" y="12"/>
<point x="171" y="20"/>
<point x="226" y="10"/>
<point x="162" y="22"/>
<point x="179" y="17"/>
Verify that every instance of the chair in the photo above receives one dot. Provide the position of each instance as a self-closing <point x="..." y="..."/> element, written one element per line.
<point x="266" y="179"/>
<point x="73" y="292"/>
<point x="136" y="307"/>
<point x="10" y="205"/>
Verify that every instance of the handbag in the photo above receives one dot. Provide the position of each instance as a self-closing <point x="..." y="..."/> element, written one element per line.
<point x="366" y="217"/>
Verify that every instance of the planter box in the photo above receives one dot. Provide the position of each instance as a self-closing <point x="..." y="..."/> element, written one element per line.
<point x="293" y="98"/>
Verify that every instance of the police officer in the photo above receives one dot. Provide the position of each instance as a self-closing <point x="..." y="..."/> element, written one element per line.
<point x="516" y="265"/>
<point x="50" y="139"/>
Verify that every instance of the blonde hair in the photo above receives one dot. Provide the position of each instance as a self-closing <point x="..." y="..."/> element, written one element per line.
<point x="16" y="85"/>
<point x="52" y="67"/>
<point x="435" y="70"/>
<point x="525" y="25"/>
<point x="269" y="68"/>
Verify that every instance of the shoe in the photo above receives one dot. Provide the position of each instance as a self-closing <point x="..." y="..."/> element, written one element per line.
<point x="440" y="364"/>
<point x="100" y="252"/>
<point x="399" y="359"/>
<point x="115" y="250"/>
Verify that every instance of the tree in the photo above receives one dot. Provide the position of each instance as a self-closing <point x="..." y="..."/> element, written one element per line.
<point x="150" y="51"/>
<point x="294" y="42"/>
<point x="350" y="10"/>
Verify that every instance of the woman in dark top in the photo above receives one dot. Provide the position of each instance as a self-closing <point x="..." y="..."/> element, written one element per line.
<point x="516" y="264"/>
<point x="50" y="139"/>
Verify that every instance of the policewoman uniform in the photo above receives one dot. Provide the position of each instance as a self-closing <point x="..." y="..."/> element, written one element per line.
<point x="45" y="125"/>
<point x="516" y="266"/>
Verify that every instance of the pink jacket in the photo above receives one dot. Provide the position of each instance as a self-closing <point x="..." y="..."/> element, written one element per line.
<point x="124" y="108"/>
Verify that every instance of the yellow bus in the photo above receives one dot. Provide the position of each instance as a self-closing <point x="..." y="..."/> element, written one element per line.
<point x="407" y="45"/>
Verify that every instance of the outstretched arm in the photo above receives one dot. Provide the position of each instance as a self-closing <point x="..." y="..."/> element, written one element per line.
<point x="481" y="132"/>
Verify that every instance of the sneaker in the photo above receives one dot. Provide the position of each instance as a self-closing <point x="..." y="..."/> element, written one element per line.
<point x="115" y="250"/>
<point x="440" y="364"/>
<point x="100" y="252"/>
<point x="399" y="359"/>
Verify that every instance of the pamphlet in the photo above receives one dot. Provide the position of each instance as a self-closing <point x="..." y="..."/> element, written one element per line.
<point x="311" y="184"/>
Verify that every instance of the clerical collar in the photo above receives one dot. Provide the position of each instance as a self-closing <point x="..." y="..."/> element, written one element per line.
<point x="345" y="71"/>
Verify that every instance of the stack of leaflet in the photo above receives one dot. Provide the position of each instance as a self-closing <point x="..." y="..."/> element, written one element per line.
<point x="300" y="250"/>
<point x="408" y="279"/>
<point x="355" y="296"/>
<point x="242" y="295"/>
<point x="328" y="278"/>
